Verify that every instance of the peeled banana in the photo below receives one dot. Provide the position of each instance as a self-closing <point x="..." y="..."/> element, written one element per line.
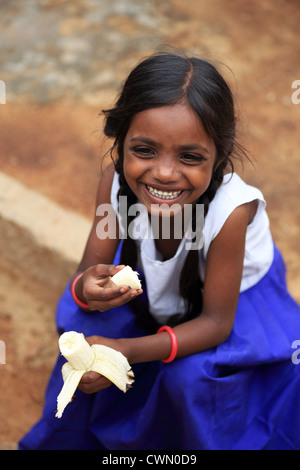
<point x="127" y="277"/>
<point x="81" y="358"/>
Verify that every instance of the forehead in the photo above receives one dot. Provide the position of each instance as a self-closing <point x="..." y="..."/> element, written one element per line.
<point x="177" y="124"/>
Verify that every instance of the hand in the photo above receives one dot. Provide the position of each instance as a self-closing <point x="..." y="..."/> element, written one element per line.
<point x="92" y="382"/>
<point x="100" y="292"/>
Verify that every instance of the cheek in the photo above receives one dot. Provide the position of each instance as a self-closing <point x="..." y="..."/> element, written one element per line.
<point x="202" y="180"/>
<point x="129" y="170"/>
<point x="133" y="168"/>
<point x="131" y="174"/>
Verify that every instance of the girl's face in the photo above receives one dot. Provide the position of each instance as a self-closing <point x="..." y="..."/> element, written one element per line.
<point x="168" y="157"/>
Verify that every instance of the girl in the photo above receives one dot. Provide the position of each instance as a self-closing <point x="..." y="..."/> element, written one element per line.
<point x="220" y="376"/>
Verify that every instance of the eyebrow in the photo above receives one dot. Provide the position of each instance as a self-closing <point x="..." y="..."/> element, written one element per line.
<point x="187" y="147"/>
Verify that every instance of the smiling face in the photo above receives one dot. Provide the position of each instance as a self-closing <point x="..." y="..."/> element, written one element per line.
<point x="168" y="156"/>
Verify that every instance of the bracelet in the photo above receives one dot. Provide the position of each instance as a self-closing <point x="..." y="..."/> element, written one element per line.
<point x="75" y="298"/>
<point x="174" y="342"/>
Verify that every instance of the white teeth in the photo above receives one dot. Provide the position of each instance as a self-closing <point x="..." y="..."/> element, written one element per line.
<point x="163" y="194"/>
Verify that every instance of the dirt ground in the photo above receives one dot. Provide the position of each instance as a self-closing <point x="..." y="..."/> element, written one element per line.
<point x="54" y="144"/>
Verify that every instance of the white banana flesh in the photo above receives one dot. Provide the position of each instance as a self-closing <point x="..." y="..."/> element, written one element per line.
<point x="83" y="358"/>
<point x="127" y="277"/>
<point x="71" y="379"/>
<point x="76" y="350"/>
<point x="111" y="364"/>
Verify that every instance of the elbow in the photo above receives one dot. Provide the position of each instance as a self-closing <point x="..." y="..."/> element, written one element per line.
<point x="225" y="335"/>
<point x="225" y="329"/>
<point x="222" y="328"/>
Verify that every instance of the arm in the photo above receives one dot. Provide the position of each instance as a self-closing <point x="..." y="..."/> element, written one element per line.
<point x="220" y="298"/>
<point x="94" y="288"/>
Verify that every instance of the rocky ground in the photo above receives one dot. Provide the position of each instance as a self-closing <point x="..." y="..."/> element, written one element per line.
<point x="62" y="63"/>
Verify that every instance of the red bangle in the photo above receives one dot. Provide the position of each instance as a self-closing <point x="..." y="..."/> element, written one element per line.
<point x="75" y="298"/>
<point x="174" y="342"/>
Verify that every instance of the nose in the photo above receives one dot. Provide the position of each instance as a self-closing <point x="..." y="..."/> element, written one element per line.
<point x="165" y="170"/>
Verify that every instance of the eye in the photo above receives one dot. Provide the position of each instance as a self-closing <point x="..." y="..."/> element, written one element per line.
<point x="143" y="151"/>
<point x="192" y="158"/>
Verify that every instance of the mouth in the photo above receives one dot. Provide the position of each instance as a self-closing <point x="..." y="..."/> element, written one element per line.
<point x="166" y="195"/>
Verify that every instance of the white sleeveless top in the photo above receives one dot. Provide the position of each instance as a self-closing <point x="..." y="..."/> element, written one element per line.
<point x="162" y="277"/>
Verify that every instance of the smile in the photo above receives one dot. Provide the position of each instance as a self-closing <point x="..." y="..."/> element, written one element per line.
<point x="163" y="194"/>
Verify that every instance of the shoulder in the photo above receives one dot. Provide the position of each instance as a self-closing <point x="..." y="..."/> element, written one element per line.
<point x="233" y="193"/>
<point x="105" y="184"/>
<point x="101" y="248"/>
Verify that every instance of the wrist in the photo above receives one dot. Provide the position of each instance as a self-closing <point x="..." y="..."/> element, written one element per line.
<point x="76" y="292"/>
<point x="148" y="348"/>
<point x="124" y="345"/>
<point x="174" y="343"/>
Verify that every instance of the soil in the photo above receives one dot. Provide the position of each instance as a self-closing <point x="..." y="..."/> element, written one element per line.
<point x="51" y="137"/>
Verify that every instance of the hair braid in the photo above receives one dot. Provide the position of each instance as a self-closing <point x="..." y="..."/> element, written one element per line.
<point x="191" y="284"/>
<point x="129" y="256"/>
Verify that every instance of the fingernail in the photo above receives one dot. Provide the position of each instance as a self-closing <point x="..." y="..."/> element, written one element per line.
<point x="133" y="293"/>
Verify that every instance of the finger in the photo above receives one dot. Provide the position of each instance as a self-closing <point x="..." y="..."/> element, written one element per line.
<point x="121" y="299"/>
<point x="96" y="290"/>
<point x="123" y="296"/>
<point x="92" y="382"/>
<point x="93" y="388"/>
<point x="106" y="294"/>
<point x="105" y="270"/>
<point x="94" y="339"/>
<point x="109" y="293"/>
<point x="89" y="377"/>
<point x="94" y="379"/>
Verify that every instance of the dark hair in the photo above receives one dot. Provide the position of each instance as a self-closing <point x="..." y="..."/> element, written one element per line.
<point x="165" y="79"/>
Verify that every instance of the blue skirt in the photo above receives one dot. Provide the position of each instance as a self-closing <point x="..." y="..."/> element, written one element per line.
<point x="243" y="394"/>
